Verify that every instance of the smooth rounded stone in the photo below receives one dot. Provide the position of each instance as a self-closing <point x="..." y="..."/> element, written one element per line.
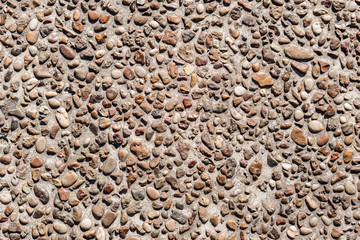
<point x="309" y="84"/>
<point x="315" y="126"/>
<point x="298" y="136"/>
<point x="40" y="144"/>
<point x="200" y="8"/>
<point x="170" y="225"/>
<point x="298" y="115"/>
<point x="100" y="53"/>
<point x="116" y="74"/>
<point x="350" y="188"/>
<point x="69" y="179"/>
<point x="352" y="6"/>
<point x="18" y="65"/>
<point x="5" y="198"/>
<point x="54" y="103"/>
<point x="33" y="50"/>
<point x="140" y="71"/>
<point x="33" y="24"/>
<point x="60" y="227"/>
<point x="348" y="106"/>
<point x="316" y="27"/>
<point x="153" y="24"/>
<point x="67" y="52"/>
<point x="356" y="215"/>
<point x="152" y="193"/>
<point x="80" y="73"/>
<point x="129" y="73"/>
<point x="305" y="231"/>
<point x="62" y="117"/>
<point x="42" y="194"/>
<point x="109" y="165"/>
<point x="326" y="17"/>
<point x="239" y="91"/>
<point x="86" y="224"/>
<point x="314" y="221"/>
<point x="188" y="69"/>
<point x="327" y="221"/>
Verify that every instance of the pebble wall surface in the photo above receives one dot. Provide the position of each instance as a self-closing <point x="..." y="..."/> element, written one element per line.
<point x="179" y="119"/>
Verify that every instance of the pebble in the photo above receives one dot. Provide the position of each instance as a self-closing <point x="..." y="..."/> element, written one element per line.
<point x="315" y="126"/>
<point x="60" y="227"/>
<point x="86" y="224"/>
<point x="69" y="179"/>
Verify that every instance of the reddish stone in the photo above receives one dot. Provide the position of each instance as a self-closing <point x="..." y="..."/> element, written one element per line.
<point x="187" y="102"/>
<point x="64" y="194"/>
<point x="170" y="38"/>
<point x="36" y="162"/>
<point x="255" y="167"/>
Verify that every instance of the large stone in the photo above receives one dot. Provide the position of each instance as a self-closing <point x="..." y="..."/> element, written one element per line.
<point x="298" y="53"/>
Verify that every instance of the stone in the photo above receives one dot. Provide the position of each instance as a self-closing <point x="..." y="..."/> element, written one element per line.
<point x="298" y="53"/>
<point x="42" y="194"/>
<point x="86" y="224"/>
<point x="349" y="188"/>
<point x="60" y="227"/>
<point x="315" y="126"/>
<point x="185" y="52"/>
<point x="152" y="193"/>
<point x="42" y="72"/>
<point x="108" y="219"/>
<point x="298" y="136"/>
<point x="312" y="205"/>
<point x="62" y="117"/>
<point x="255" y="167"/>
<point x="263" y="79"/>
<point x="129" y="73"/>
<point x="69" y="179"/>
<point x="67" y="51"/>
<point x="109" y="165"/>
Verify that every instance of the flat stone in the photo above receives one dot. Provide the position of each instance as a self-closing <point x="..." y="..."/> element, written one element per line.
<point x="108" y="219"/>
<point x="109" y="165"/>
<point x="69" y="179"/>
<point x="62" y="117"/>
<point x="263" y="79"/>
<point x="152" y="193"/>
<point x="315" y="126"/>
<point x="60" y="227"/>
<point x="298" y="53"/>
<point x="40" y="144"/>
<point x="67" y="51"/>
<point x="42" y="72"/>
<point x="298" y="136"/>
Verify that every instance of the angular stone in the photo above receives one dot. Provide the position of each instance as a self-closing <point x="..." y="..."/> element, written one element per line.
<point x="263" y="79"/>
